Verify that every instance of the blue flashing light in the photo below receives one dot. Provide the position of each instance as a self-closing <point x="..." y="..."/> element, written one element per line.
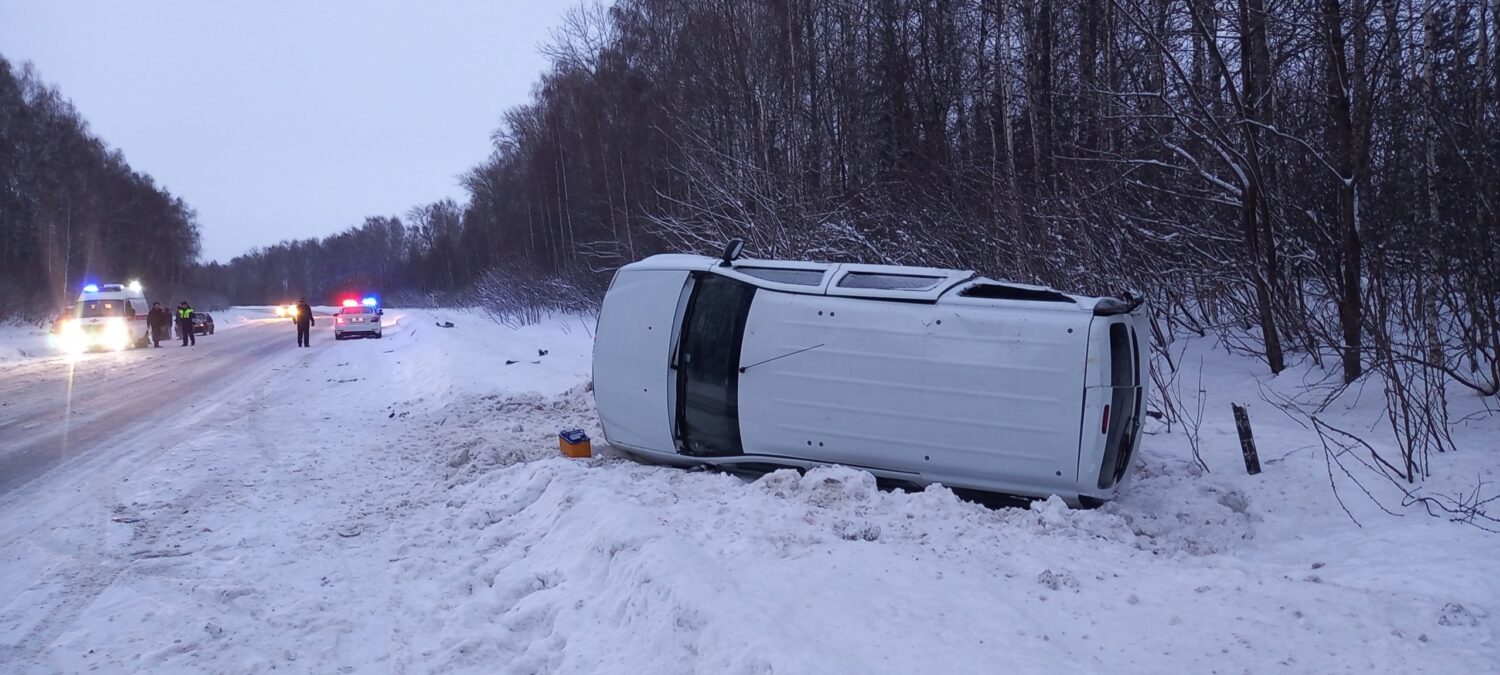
<point x="369" y="302"/>
<point x="91" y="288"/>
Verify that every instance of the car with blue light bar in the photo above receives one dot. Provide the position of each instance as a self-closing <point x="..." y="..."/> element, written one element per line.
<point x="106" y="317"/>
<point x="358" y="318"/>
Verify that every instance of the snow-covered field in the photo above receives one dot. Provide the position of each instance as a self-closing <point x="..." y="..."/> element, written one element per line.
<point x="400" y="506"/>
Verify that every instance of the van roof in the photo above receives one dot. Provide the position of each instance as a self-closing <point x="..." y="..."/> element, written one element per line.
<point x="880" y="282"/>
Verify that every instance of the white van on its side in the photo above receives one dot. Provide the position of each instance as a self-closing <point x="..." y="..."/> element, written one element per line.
<point x="917" y="375"/>
<point x="108" y="317"/>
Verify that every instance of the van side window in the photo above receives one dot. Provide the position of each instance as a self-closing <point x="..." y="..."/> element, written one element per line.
<point x="708" y="373"/>
<point x="889" y="282"/>
<point x="784" y="276"/>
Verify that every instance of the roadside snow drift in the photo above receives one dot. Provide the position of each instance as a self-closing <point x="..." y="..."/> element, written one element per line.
<point x="399" y="505"/>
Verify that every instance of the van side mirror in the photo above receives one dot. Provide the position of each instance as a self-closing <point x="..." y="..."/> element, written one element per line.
<point x="732" y="251"/>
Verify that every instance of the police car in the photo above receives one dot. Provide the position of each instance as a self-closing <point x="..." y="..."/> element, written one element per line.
<point x="357" y="318"/>
<point x="108" y="317"/>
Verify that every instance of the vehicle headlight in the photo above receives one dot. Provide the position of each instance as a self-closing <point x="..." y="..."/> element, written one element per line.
<point x="71" y="337"/>
<point x="280" y="311"/>
<point x="115" y="335"/>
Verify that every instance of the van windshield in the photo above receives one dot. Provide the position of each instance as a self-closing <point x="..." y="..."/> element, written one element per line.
<point x="103" y="308"/>
<point x="708" y="362"/>
<point x="1125" y="403"/>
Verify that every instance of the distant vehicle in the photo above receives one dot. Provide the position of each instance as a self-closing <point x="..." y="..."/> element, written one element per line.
<point x="917" y="375"/>
<point x="203" y="323"/>
<point x="109" y="317"/>
<point x="287" y="311"/>
<point x="358" y="317"/>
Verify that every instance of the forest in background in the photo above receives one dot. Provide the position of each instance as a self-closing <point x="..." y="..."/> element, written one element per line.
<point x="72" y="209"/>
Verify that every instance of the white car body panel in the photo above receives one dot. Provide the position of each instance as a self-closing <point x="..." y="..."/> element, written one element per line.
<point x="912" y="387"/>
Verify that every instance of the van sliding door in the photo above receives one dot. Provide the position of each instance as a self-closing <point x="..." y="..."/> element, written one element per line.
<point x="708" y="367"/>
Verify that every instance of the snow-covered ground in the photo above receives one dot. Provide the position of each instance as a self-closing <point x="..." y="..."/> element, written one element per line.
<point x="20" y="341"/>
<point x="400" y="506"/>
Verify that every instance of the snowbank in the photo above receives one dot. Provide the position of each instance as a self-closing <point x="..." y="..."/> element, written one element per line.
<point x="24" y="341"/>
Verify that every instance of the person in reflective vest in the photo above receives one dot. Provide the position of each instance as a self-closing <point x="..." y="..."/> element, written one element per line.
<point x="185" y="323"/>
<point x="305" y="322"/>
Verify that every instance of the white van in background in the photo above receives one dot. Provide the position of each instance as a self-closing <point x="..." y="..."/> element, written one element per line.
<point x="108" y="317"/>
<point x="917" y="375"/>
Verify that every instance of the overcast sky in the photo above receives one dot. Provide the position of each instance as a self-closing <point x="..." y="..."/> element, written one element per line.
<point x="281" y="120"/>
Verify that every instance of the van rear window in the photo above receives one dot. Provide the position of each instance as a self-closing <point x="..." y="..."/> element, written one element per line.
<point x="889" y="282"/>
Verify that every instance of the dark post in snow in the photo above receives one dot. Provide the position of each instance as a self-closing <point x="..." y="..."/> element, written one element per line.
<point x="1247" y="440"/>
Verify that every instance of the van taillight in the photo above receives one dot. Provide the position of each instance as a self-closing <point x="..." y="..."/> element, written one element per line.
<point x="1104" y="422"/>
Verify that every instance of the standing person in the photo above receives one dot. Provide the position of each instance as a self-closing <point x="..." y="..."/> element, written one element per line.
<point x="305" y="323"/>
<point x="185" y="323"/>
<point x="158" y="320"/>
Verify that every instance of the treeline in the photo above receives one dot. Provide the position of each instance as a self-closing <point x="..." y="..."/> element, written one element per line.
<point x="1320" y="172"/>
<point x="71" y="208"/>
<point x="410" y="260"/>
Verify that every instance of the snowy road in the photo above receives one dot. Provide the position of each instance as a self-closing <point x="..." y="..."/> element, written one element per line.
<point x="61" y="412"/>
<point x="398" y="506"/>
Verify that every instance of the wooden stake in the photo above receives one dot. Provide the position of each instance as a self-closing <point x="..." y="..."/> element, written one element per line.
<point x="1247" y="440"/>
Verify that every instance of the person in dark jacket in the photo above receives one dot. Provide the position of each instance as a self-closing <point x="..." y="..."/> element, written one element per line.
<point x="185" y="323"/>
<point x="158" y="321"/>
<point x="305" y="323"/>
